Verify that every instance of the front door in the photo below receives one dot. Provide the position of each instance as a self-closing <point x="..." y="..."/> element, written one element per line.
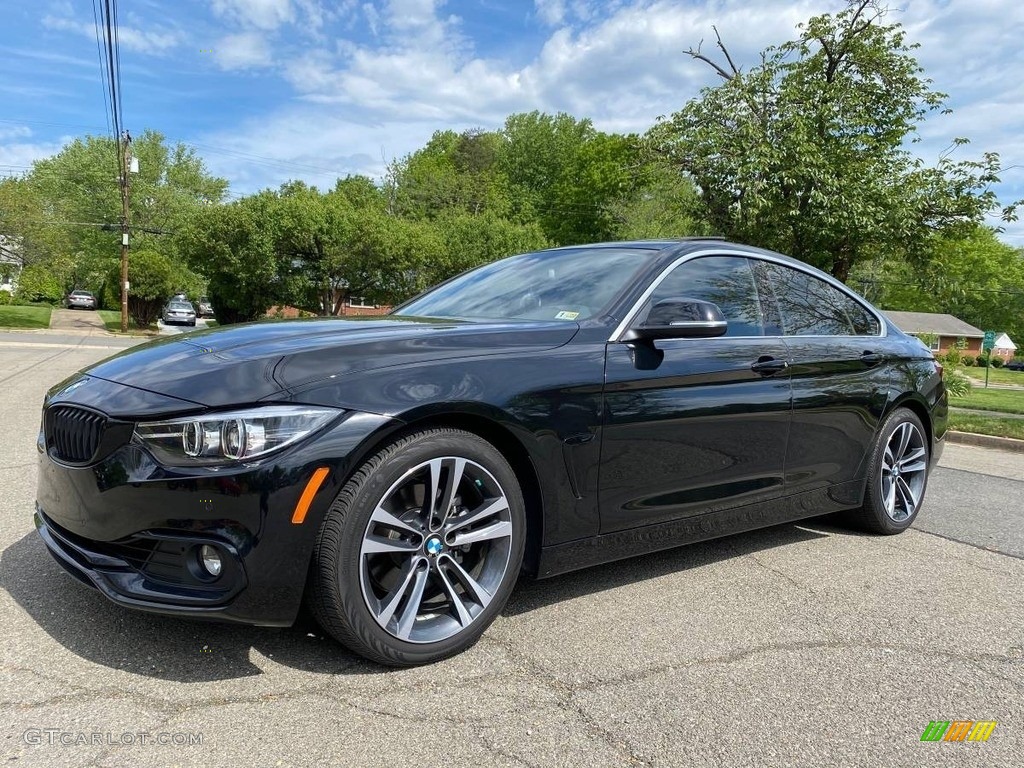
<point x="694" y="426"/>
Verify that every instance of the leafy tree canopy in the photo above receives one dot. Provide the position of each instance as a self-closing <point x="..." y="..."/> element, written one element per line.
<point x="807" y="151"/>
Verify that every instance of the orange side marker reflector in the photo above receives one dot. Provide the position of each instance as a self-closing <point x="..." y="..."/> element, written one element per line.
<point x="299" y="515"/>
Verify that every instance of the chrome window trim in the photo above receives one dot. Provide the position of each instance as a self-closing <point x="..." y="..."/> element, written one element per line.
<point x="883" y="326"/>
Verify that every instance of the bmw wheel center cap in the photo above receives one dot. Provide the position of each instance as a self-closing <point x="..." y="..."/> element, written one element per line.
<point x="434" y="546"/>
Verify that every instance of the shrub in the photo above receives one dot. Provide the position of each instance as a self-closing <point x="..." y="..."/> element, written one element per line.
<point x="967" y="360"/>
<point x="38" y="283"/>
<point x="982" y="361"/>
<point x="957" y="384"/>
<point x="953" y="356"/>
<point x="152" y="279"/>
<point x="997" y="362"/>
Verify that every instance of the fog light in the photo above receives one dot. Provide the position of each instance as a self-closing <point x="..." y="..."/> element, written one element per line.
<point x="210" y="559"/>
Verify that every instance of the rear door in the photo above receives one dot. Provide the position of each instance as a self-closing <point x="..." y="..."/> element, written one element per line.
<point x="693" y="426"/>
<point x="840" y="371"/>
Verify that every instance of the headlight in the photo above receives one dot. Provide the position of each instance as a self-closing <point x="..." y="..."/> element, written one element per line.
<point x="217" y="438"/>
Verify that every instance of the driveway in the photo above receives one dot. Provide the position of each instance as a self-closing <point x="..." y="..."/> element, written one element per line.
<point x="78" y="320"/>
<point x="172" y="330"/>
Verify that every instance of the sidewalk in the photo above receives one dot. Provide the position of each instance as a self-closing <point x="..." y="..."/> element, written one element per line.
<point x="985" y="461"/>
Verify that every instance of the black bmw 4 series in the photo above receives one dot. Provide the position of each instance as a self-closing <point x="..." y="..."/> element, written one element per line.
<point x="547" y="412"/>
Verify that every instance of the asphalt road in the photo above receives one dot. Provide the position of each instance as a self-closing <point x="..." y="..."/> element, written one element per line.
<point x="800" y="645"/>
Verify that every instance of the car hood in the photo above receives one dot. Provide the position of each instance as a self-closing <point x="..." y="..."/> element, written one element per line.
<point x="245" y="363"/>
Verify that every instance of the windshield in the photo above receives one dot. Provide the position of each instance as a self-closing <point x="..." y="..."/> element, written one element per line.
<point x="179" y="305"/>
<point x="567" y="284"/>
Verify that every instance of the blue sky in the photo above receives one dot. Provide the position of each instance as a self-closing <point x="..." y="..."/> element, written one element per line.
<point x="268" y="90"/>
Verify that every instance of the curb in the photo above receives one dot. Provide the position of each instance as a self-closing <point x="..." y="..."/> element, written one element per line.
<point x="986" y="441"/>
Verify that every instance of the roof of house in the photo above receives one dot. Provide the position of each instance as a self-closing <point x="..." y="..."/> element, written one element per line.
<point x="1003" y="341"/>
<point x="940" y="325"/>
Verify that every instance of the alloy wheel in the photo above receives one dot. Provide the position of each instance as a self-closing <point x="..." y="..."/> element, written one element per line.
<point x="904" y="471"/>
<point x="436" y="549"/>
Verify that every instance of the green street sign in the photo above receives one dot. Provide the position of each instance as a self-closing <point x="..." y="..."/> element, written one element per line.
<point x="989" y="342"/>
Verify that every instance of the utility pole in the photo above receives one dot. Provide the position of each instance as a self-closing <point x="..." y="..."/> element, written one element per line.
<point x="126" y="164"/>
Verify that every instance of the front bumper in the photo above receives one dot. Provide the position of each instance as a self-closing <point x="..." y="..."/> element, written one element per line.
<point x="149" y="572"/>
<point x="133" y="529"/>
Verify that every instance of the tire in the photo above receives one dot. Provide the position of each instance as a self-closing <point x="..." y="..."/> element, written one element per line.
<point x="403" y="587"/>
<point x="892" y="500"/>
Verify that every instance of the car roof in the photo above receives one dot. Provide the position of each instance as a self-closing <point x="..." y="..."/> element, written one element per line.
<point x="654" y="244"/>
<point x="679" y="246"/>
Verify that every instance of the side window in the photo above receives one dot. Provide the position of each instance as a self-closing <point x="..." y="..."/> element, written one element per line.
<point x="864" y="323"/>
<point x="727" y="281"/>
<point x="811" y="307"/>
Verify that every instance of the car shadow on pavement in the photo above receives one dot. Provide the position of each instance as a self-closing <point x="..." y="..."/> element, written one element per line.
<point x="182" y="650"/>
<point x="532" y="594"/>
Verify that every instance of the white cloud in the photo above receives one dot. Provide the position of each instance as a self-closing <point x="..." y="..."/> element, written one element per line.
<point x="14" y="132"/>
<point x="623" y="67"/>
<point x="16" y="157"/>
<point x="154" y="40"/>
<point x="550" y="11"/>
<point x="622" y="71"/>
<point x="262" y="14"/>
<point x="305" y="144"/>
<point x="372" y="17"/>
<point x="246" y="50"/>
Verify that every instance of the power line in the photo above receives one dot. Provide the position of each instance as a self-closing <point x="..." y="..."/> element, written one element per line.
<point x="99" y="56"/>
<point x="117" y="63"/>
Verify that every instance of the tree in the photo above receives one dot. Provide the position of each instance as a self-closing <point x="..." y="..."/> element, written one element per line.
<point x="388" y="259"/>
<point x="63" y="203"/>
<point x="665" y="203"/>
<point x="25" y="235"/>
<point x="971" y="275"/>
<point x="313" y="230"/>
<point x="806" y="152"/>
<point x="454" y="172"/>
<point x="470" y="241"/>
<point x="235" y="247"/>
<point x="568" y="172"/>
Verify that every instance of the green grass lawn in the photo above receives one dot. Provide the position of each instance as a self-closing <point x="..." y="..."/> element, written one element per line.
<point x="112" y="320"/>
<point x="25" y="317"/>
<point x="1003" y="400"/>
<point x="984" y="425"/>
<point x="995" y="376"/>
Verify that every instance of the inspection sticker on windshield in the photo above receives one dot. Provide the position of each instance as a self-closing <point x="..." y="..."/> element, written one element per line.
<point x="563" y="315"/>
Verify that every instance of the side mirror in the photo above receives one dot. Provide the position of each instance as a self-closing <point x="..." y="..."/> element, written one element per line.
<point x="680" y="318"/>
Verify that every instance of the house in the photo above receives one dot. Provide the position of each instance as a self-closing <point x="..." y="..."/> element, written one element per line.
<point x="1004" y="347"/>
<point x="351" y="305"/>
<point x="10" y="264"/>
<point x="941" y="331"/>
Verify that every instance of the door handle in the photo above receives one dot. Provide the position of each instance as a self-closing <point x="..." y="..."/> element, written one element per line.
<point x="870" y="358"/>
<point x="768" y="366"/>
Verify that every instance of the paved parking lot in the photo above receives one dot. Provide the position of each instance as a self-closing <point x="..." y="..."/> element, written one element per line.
<point x="798" y="645"/>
